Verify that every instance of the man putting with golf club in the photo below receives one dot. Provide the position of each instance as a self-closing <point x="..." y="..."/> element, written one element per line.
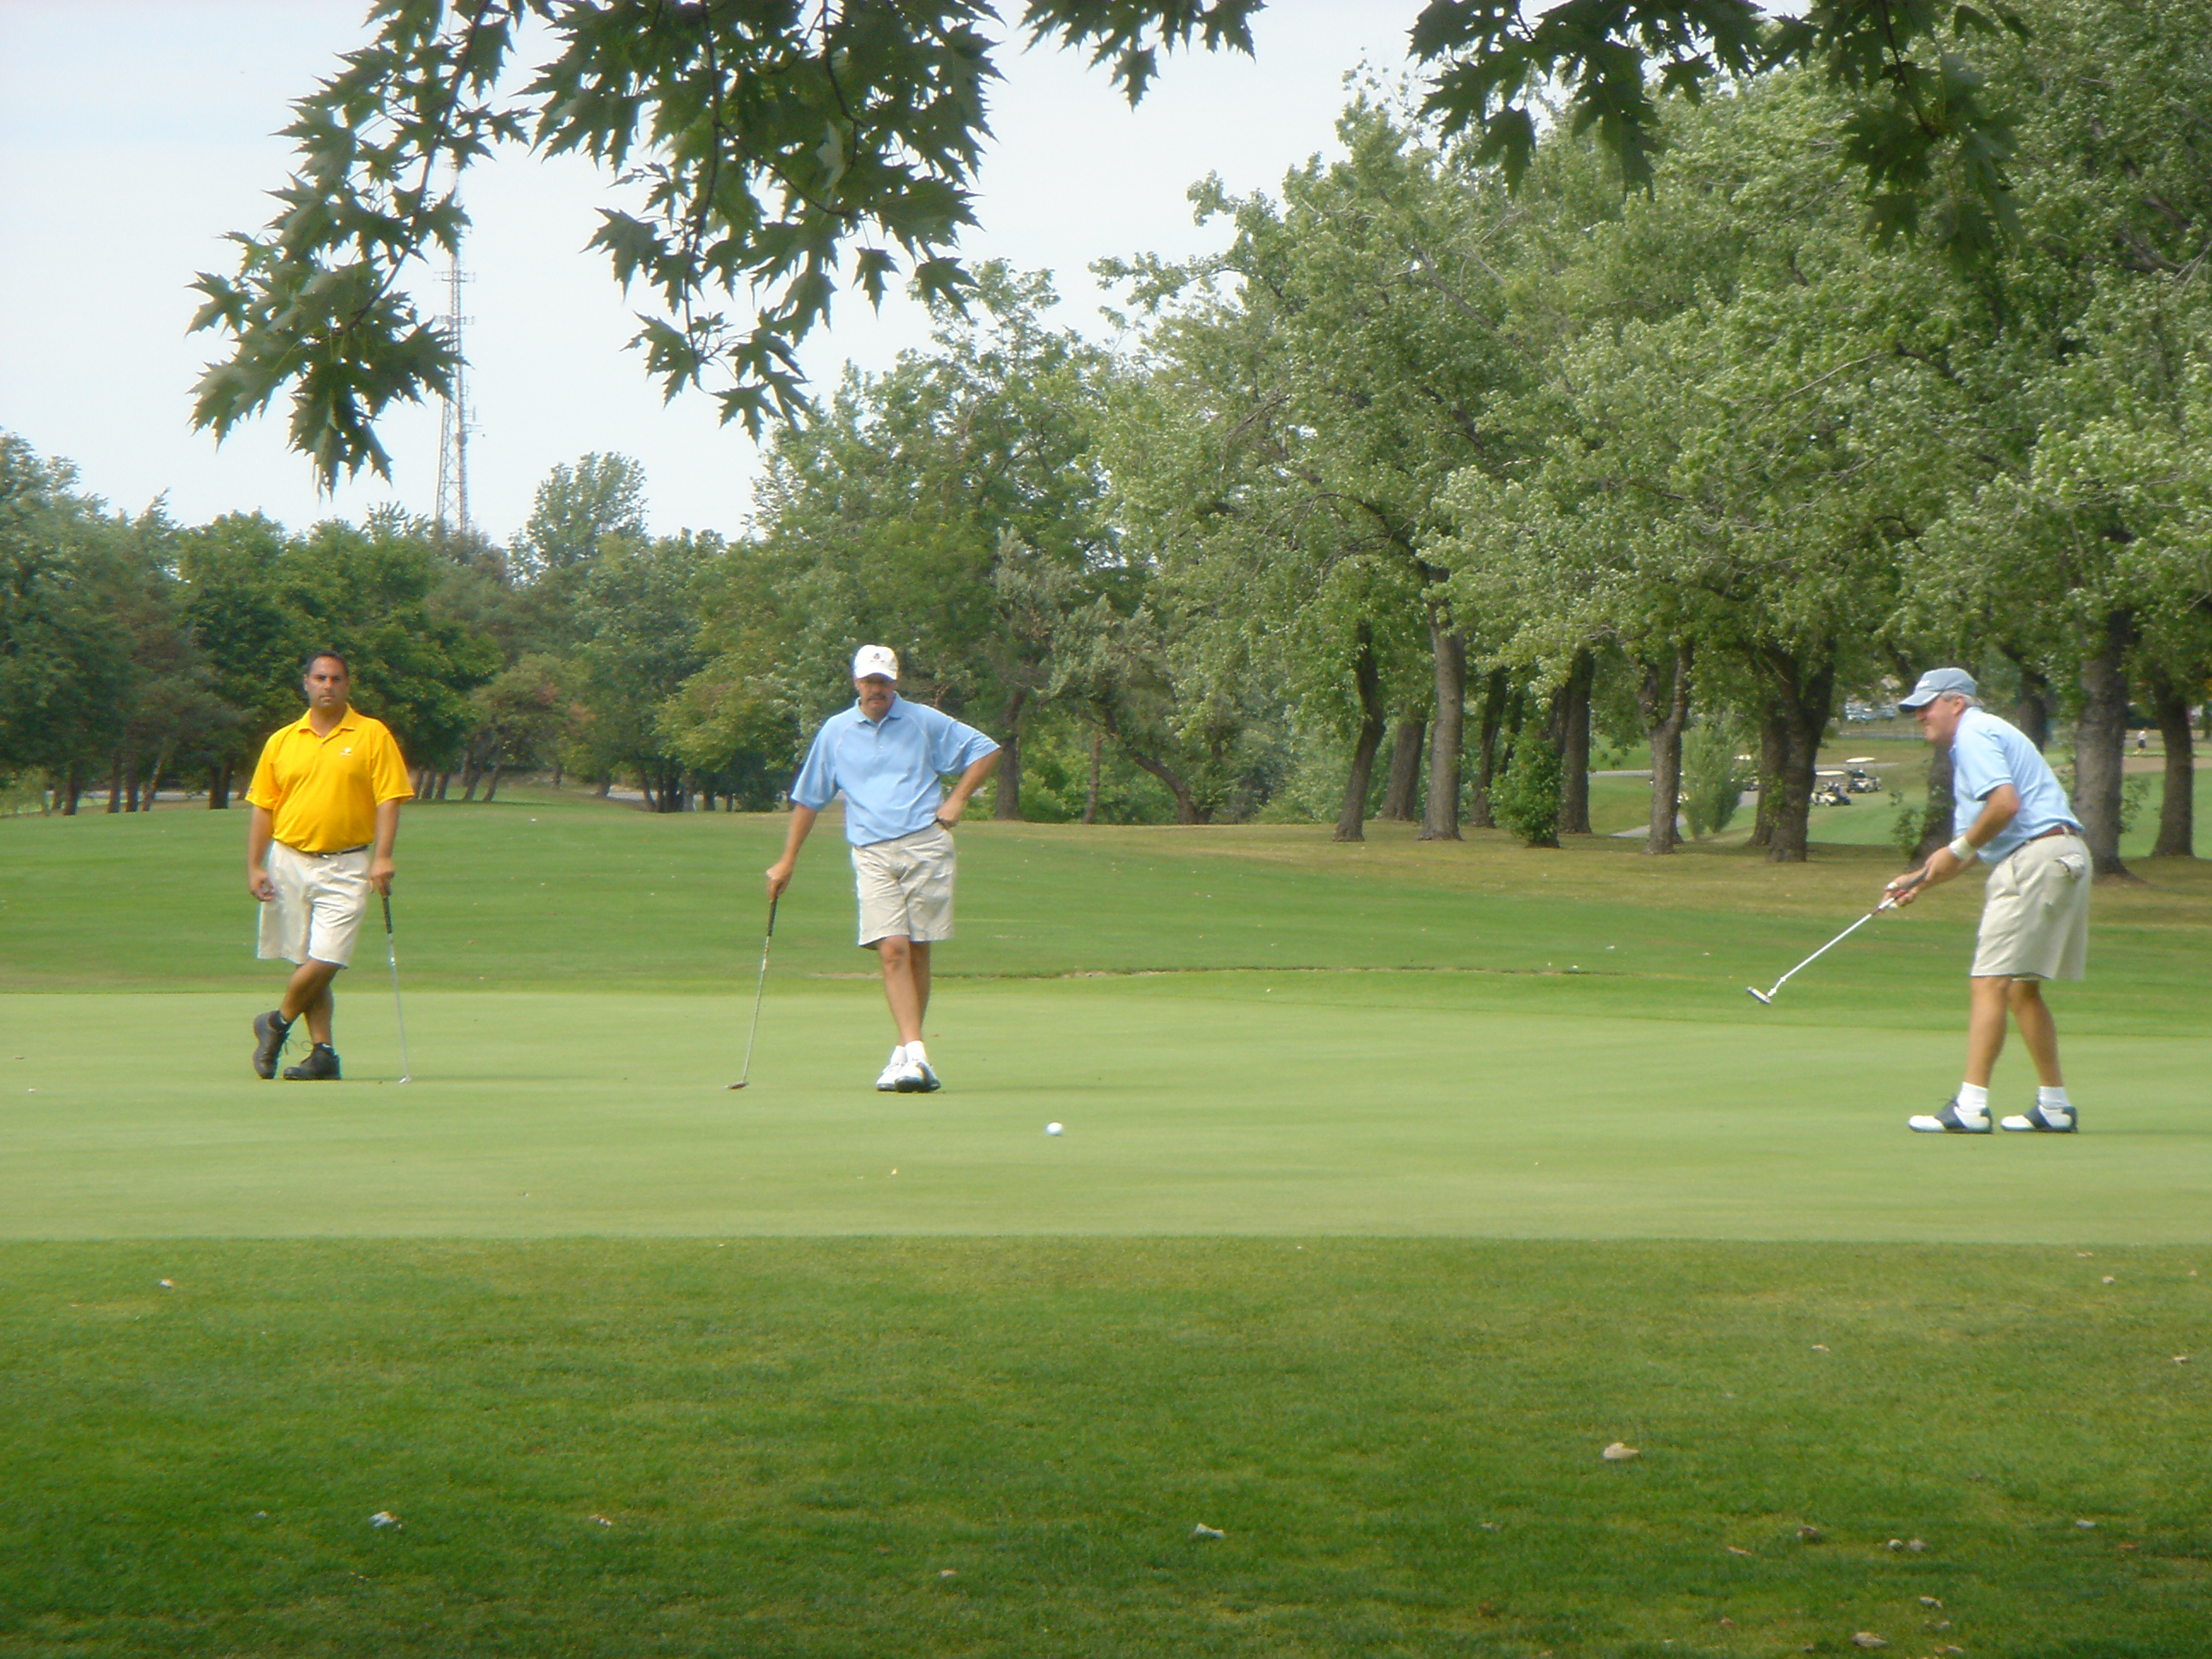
<point x="886" y="755"/>
<point x="2013" y="815"/>
<point x="325" y="799"/>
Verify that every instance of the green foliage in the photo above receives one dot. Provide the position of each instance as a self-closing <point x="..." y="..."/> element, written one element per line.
<point x="577" y="508"/>
<point x="1911" y="824"/>
<point x="1525" y="800"/>
<point x="1713" y="779"/>
<point x="768" y="157"/>
<point x="2134" y="794"/>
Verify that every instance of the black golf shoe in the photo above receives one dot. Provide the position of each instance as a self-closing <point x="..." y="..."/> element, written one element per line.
<point x="1948" y="1121"/>
<point x="269" y="1031"/>
<point x="320" y="1066"/>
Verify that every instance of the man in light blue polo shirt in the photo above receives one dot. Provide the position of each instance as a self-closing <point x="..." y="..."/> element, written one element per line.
<point x="2011" y="814"/>
<point x="887" y="757"/>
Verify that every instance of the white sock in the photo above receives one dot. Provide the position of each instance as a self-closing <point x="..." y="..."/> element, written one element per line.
<point x="898" y="1054"/>
<point x="916" y="1054"/>
<point x="2054" y="1100"/>
<point x="1973" y="1100"/>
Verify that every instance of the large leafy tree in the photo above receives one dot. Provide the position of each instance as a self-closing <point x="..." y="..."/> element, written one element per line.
<point x="949" y="508"/>
<point x="775" y="151"/>
<point x="64" y="663"/>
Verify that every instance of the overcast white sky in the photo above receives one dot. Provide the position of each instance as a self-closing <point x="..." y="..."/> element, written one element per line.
<point x="134" y="134"/>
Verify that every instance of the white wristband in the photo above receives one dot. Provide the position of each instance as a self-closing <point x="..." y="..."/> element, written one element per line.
<point x="1961" y="849"/>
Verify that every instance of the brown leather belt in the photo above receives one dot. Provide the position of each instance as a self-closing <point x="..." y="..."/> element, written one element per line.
<point x="2055" y="829"/>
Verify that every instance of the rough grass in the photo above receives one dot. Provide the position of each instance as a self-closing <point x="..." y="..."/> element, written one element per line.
<point x="815" y="1448"/>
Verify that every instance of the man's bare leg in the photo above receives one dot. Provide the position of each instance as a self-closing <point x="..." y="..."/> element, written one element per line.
<point x="1985" y="1027"/>
<point x="907" y="1000"/>
<point x="2038" y="1031"/>
<point x="309" y="994"/>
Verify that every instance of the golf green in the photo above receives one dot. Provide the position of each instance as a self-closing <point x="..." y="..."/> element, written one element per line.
<point x="1194" y="1103"/>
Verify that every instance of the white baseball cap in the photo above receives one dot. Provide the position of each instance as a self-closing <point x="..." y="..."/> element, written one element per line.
<point x="875" y="659"/>
<point x="1938" y="682"/>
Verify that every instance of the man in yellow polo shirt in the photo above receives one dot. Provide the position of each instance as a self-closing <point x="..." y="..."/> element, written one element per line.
<point x="325" y="801"/>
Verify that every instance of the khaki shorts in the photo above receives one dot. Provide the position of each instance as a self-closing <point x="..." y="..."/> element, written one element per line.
<point x="906" y="887"/>
<point x="321" y="898"/>
<point x="2035" y="918"/>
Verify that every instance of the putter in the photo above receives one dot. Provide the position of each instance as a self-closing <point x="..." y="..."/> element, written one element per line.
<point x="392" y="954"/>
<point x="1889" y="902"/>
<point x="746" y="1072"/>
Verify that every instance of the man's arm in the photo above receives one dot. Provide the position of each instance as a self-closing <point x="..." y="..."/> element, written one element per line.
<point x="260" y="830"/>
<point x="379" y="857"/>
<point x="1999" y="808"/>
<point x="779" y="873"/>
<point x="955" y="804"/>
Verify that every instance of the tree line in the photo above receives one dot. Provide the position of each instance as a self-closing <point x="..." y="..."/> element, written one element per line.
<point x="1430" y="482"/>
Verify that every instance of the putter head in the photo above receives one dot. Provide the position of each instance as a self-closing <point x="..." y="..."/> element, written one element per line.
<point x="1759" y="996"/>
<point x="739" y="1083"/>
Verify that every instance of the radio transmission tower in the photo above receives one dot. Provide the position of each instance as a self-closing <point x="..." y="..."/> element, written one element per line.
<point x="453" y="419"/>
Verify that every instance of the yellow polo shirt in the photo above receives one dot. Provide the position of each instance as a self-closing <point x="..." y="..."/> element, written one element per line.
<point x="324" y="792"/>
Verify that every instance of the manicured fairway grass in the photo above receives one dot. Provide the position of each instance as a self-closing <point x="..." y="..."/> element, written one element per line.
<point x="1388" y="1198"/>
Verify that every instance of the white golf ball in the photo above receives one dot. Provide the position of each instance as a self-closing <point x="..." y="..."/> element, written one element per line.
<point x="1053" y="1130"/>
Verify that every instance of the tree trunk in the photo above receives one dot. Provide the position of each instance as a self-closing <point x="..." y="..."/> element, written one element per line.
<point x="1935" y="829"/>
<point x="2032" y="714"/>
<point x="1773" y="752"/>
<point x="1440" y="822"/>
<point x="1367" y="678"/>
<point x="1007" y="802"/>
<point x="219" y="786"/>
<point x="1570" y="730"/>
<point x="1663" y="692"/>
<point x="1187" y="811"/>
<point x="1489" y="721"/>
<point x="1097" y="758"/>
<point x="2177" y="812"/>
<point x="2099" y="739"/>
<point x="1401" y="789"/>
<point x="115" y="783"/>
<point x="72" y="786"/>
<point x="445" y="778"/>
<point x="1798" y="711"/>
<point x="471" y="775"/>
<point x="492" y="790"/>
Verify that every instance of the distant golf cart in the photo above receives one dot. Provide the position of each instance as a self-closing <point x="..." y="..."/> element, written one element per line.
<point x="1859" y="780"/>
<point x="1831" y="786"/>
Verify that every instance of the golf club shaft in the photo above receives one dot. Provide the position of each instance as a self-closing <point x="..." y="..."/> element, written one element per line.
<point x="398" y="1013"/>
<point x="1889" y="902"/>
<point x="1824" y="949"/>
<point x="744" y="1073"/>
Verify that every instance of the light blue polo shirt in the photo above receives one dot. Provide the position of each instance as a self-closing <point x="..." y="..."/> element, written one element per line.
<point x="1987" y="752"/>
<point x="887" y="769"/>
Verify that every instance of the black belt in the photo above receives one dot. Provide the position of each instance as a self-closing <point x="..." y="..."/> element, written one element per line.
<point x="335" y="852"/>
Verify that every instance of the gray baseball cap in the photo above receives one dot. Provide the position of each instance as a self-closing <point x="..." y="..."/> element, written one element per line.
<point x="1936" y="683"/>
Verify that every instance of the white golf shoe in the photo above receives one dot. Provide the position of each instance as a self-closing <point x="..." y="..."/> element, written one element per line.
<point x="892" y="1067"/>
<point x="915" y="1078"/>
<point x="1948" y="1121"/>
<point x="2037" y="1120"/>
